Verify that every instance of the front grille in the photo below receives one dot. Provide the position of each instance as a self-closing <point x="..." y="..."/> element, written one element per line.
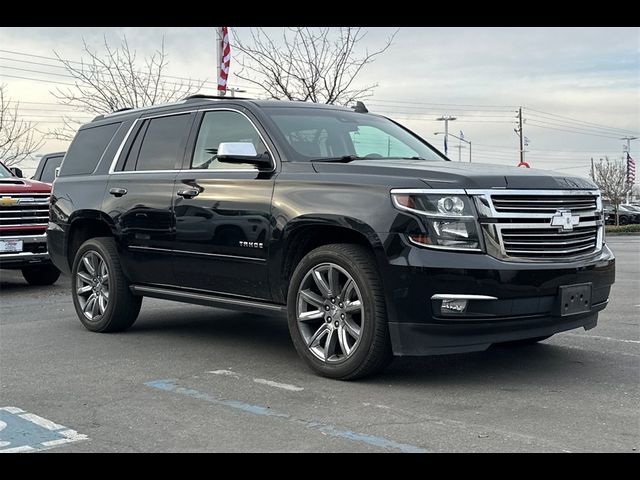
<point x="548" y="242"/>
<point x="23" y="213"/>
<point x="517" y="225"/>
<point x="543" y="204"/>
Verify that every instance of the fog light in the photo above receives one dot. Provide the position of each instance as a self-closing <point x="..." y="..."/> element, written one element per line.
<point x="453" y="306"/>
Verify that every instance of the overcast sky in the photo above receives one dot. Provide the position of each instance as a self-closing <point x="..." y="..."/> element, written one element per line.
<point x="480" y="75"/>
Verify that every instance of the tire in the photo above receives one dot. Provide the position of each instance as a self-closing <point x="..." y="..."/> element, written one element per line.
<point x="349" y="356"/>
<point x="120" y="309"/>
<point x="526" y="341"/>
<point x="624" y="220"/>
<point x="41" y="275"/>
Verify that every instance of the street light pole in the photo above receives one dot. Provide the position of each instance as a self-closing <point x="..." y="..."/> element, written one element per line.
<point x="446" y="119"/>
<point x="446" y="134"/>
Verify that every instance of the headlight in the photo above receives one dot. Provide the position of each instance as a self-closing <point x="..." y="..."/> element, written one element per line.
<point x="449" y="219"/>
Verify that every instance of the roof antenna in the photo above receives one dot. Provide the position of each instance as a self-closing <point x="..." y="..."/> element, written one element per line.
<point x="360" y="108"/>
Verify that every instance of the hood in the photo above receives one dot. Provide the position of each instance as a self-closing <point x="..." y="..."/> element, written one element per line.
<point x="460" y="175"/>
<point x="22" y="185"/>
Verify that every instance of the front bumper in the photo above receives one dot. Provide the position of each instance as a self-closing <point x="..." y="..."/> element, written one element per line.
<point x="525" y="305"/>
<point x="34" y="252"/>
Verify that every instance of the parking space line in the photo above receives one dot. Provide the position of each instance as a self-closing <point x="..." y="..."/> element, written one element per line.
<point x="597" y="337"/>
<point x="380" y="442"/>
<point x="226" y="373"/>
<point x="283" y="386"/>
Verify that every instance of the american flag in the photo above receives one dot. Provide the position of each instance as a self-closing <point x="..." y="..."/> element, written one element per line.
<point x="631" y="169"/>
<point x="224" y="60"/>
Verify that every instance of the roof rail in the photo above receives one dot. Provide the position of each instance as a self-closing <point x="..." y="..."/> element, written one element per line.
<point x="200" y="96"/>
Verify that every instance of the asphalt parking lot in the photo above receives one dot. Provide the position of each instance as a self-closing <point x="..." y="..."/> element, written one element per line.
<point x="189" y="378"/>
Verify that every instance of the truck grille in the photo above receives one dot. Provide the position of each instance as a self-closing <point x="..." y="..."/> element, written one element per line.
<point x="548" y="243"/>
<point x="22" y="213"/>
<point x="547" y="204"/>
<point x="517" y="225"/>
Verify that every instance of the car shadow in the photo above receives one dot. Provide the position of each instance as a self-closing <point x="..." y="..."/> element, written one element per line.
<point x="269" y="337"/>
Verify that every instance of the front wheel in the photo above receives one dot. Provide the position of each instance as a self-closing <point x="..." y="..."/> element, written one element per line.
<point x="337" y="312"/>
<point x="41" y="275"/>
<point x="100" y="291"/>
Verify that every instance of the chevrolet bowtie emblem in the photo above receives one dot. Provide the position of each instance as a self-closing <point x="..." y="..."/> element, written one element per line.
<point x="564" y="220"/>
<point x="8" y="201"/>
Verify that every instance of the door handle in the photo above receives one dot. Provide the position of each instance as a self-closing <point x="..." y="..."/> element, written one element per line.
<point x="189" y="193"/>
<point x="118" y="192"/>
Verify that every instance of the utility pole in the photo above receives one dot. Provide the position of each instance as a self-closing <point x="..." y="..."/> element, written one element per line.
<point x="628" y="140"/>
<point x="460" y="147"/>
<point x="446" y="119"/>
<point x="521" y="135"/>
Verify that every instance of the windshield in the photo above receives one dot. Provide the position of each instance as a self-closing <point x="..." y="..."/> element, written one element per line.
<point x="5" y="172"/>
<point x="317" y="134"/>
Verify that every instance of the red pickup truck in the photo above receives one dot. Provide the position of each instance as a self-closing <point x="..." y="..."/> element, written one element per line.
<point x="24" y="216"/>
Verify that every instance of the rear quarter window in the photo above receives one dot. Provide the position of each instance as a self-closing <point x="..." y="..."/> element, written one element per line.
<point x="87" y="149"/>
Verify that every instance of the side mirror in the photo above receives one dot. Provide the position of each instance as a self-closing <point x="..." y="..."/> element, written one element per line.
<point x="242" y="152"/>
<point x="17" y="172"/>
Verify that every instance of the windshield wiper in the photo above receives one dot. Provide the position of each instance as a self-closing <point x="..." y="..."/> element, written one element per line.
<point x="343" y="159"/>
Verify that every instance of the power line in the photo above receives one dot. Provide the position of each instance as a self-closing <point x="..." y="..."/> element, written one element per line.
<point x="578" y="121"/>
<point x="571" y="131"/>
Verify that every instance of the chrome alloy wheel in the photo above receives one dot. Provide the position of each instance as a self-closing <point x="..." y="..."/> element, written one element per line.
<point x="92" y="285"/>
<point x="330" y="313"/>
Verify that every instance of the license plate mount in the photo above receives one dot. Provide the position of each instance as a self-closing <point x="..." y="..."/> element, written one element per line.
<point x="574" y="299"/>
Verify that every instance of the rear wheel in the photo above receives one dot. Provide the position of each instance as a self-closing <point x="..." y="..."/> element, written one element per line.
<point x="41" y="275"/>
<point x="337" y="312"/>
<point x="624" y="220"/>
<point x="100" y="291"/>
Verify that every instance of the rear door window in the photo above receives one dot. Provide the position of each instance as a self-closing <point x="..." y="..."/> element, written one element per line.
<point x="159" y="144"/>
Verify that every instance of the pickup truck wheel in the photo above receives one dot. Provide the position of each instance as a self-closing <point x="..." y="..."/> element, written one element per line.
<point x="100" y="291"/>
<point x="41" y="275"/>
<point x="337" y="312"/>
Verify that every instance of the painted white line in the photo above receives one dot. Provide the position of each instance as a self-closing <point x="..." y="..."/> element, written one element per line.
<point x="43" y="422"/>
<point x="25" y="448"/>
<point x="283" y="386"/>
<point x="55" y="443"/>
<point x="12" y="410"/>
<point x="227" y="373"/>
<point x="72" y="435"/>
<point x="597" y="337"/>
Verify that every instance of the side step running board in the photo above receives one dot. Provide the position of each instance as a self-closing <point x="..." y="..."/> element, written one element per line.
<point x="254" y="306"/>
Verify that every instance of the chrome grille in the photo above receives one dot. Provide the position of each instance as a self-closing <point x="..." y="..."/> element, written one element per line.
<point x="548" y="243"/>
<point x="545" y="204"/>
<point x="517" y="224"/>
<point x="20" y="212"/>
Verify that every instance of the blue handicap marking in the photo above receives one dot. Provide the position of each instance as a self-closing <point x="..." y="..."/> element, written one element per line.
<point x="21" y="431"/>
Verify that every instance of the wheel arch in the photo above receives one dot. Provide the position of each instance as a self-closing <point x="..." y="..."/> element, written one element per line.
<point x="84" y="225"/>
<point x="307" y="232"/>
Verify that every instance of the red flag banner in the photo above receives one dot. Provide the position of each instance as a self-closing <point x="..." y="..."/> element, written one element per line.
<point x="224" y="60"/>
<point x="631" y="170"/>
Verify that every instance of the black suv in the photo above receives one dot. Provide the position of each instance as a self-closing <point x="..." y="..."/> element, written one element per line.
<point x="362" y="234"/>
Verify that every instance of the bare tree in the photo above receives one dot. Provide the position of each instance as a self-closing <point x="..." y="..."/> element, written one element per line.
<point x="311" y="64"/>
<point x="114" y="79"/>
<point x="611" y="178"/>
<point x="18" y="138"/>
